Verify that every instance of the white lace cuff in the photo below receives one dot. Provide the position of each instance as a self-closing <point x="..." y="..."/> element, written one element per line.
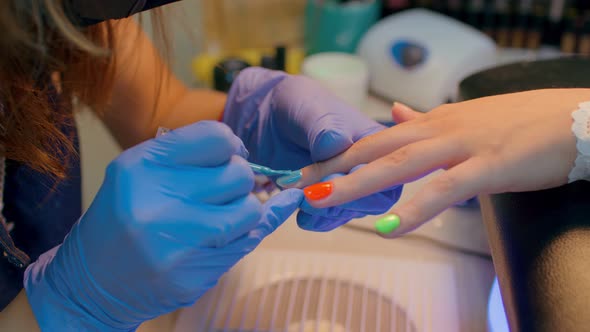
<point x="581" y="129"/>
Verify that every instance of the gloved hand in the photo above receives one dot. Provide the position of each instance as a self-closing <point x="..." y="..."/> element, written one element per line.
<point x="172" y="216"/>
<point x="327" y="219"/>
<point x="288" y="122"/>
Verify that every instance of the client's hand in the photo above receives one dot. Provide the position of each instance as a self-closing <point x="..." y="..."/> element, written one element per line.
<point x="507" y="143"/>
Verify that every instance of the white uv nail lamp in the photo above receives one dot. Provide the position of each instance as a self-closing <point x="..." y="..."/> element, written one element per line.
<point x="419" y="57"/>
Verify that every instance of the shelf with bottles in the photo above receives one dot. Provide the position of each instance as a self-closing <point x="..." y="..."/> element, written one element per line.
<point x="518" y="24"/>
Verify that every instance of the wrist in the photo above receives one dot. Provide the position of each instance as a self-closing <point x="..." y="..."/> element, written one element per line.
<point x="194" y="106"/>
<point x="62" y="303"/>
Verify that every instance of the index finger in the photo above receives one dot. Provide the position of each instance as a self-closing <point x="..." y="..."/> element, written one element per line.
<point x="402" y="166"/>
<point x="364" y="151"/>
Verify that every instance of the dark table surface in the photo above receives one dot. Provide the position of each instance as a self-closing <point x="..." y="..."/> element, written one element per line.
<point x="540" y="241"/>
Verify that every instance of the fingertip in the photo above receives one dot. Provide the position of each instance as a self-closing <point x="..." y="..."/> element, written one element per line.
<point x="328" y="193"/>
<point x="223" y="139"/>
<point x="319" y="191"/>
<point x="310" y="175"/>
<point x="247" y="177"/>
<point x="281" y="206"/>
<point x="357" y="167"/>
<point x="301" y="178"/>
<point x="401" y="113"/>
<point x="296" y="195"/>
<point x="329" y="143"/>
<point x="305" y="221"/>
<point x="401" y="107"/>
<point x="289" y="199"/>
<point x="318" y="172"/>
<point x="245" y="219"/>
<point x="397" y="223"/>
<point x="403" y="219"/>
<point x="388" y="224"/>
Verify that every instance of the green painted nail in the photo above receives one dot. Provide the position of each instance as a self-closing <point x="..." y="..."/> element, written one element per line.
<point x="387" y="224"/>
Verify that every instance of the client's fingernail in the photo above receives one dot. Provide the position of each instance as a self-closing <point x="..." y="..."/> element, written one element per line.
<point x="290" y="180"/>
<point x="318" y="191"/>
<point x="387" y="224"/>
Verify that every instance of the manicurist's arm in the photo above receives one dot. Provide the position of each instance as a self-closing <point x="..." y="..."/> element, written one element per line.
<point x="146" y="93"/>
<point x="17" y="316"/>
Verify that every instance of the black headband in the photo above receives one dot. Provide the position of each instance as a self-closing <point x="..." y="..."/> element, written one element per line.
<point x="88" y="12"/>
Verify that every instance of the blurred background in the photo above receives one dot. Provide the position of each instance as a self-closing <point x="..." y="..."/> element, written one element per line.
<point x="395" y="52"/>
<point x="225" y="27"/>
<point x="368" y="53"/>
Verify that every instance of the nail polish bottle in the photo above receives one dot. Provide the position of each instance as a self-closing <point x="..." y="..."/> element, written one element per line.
<point x="438" y="6"/>
<point x="488" y="24"/>
<point x="474" y="13"/>
<point x="521" y="20"/>
<point x="568" y="37"/>
<point x="454" y="9"/>
<point x="390" y="7"/>
<point x="442" y="7"/>
<point x="584" y="41"/>
<point x="535" y="30"/>
<point x="281" y="57"/>
<point x="503" y="32"/>
<point x="556" y="21"/>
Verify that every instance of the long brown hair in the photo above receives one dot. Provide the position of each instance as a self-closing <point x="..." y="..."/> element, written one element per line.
<point x="38" y="46"/>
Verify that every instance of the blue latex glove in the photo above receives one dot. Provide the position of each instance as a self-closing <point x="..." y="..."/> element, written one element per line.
<point x="324" y="220"/>
<point x="288" y="122"/>
<point x="172" y="216"/>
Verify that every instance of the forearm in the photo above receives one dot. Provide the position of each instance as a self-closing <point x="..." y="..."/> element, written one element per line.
<point x="146" y="94"/>
<point x="18" y="316"/>
<point x="195" y="105"/>
<point x="188" y="107"/>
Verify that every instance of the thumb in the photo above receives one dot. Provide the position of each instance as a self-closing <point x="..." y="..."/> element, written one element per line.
<point x="329" y="143"/>
<point x="401" y="113"/>
<point x="277" y="210"/>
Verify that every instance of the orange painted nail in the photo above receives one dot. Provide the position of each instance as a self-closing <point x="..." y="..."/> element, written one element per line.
<point x="318" y="191"/>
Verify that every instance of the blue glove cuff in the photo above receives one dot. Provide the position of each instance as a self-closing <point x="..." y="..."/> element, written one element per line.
<point x="54" y="303"/>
